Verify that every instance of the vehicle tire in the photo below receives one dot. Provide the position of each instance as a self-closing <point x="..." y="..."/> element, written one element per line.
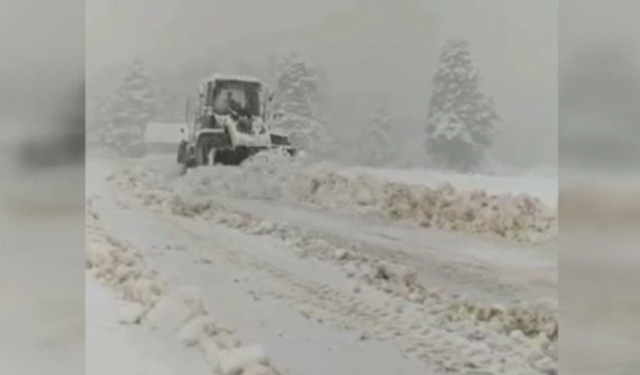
<point x="211" y="156"/>
<point x="182" y="153"/>
<point x="191" y="163"/>
<point x="183" y="169"/>
<point x="201" y="155"/>
<point x="241" y="154"/>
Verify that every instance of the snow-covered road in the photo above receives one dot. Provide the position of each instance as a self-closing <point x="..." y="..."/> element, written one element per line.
<point x="114" y="348"/>
<point x="330" y="293"/>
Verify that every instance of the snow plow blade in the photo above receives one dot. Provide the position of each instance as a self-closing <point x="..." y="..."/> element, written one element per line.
<point x="282" y="142"/>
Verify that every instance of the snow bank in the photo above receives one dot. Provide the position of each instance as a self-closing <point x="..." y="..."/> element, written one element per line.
<point x="396" y="279"/>
<point x="542" y="185"/>
<point x="173" y="311"/>
<point x="519" y="217"/>
<point x="520" y="333"/>
<point x="237" y="361"/>
<point x="112" y="349"/>
<point x="116" y="264"/>
<point x="151" y="302"/>
<point x="534" y="320"/>
<point x="522" y="218"/>
<point x="196" y="330"/>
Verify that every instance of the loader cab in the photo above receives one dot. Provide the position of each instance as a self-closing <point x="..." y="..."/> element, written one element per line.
<point x="217" y="92"/>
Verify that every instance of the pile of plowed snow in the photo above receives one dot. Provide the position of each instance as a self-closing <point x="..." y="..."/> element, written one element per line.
<point x="115" y="264"/>
<point x="543" y="185"/>
<point x="521" y="217"/>
<point x="523" y="332"/>
<point x="151" y="302"/>
<point x="396" y="279"/>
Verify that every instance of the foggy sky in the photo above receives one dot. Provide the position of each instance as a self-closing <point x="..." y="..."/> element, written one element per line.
<point x="378" y="51"/>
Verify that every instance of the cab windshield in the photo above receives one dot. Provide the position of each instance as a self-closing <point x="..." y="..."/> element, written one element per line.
<point x="246" y="97"/>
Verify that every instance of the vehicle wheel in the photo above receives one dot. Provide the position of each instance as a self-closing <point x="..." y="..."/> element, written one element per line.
<point x="201" y="156"/>
<point x="198" y="157"/>
<point x="220" y="157"/>
<point x="211" y="158"/>
<point x="241" y="154"/>
<point x="183" y="169"/>
<point x="191" y="163"/>
<point x="182" y="153"/>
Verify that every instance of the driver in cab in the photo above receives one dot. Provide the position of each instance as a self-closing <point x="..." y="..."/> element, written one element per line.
<point x="233" y="106"/>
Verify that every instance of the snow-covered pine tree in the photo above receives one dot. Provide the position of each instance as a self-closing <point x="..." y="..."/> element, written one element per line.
<point x="296" y="86"/>
<point x="379" y="143"/>
<point x="296" y="94"/>
<point x="461" y="123"/>
<point x="134" y="104"/>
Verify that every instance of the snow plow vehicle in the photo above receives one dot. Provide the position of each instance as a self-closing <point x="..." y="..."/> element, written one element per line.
<point x="229" y="123"/>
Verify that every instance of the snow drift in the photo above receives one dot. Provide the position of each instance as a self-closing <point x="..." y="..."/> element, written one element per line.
<point x="518" y="217"/>
<point x="534" y="321"/>
<point x="151" y="302"/>
<point x="501" y="338"/>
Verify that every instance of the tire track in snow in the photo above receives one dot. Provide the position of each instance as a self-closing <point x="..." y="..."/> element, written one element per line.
<point x="424" y="332"/>
<point x="431" y="331"/>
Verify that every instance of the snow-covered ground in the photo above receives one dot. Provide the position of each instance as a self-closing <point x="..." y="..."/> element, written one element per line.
<point x="112" y="347"/>
<point x="542" y="186"/>
<point x="457" y="206"/>
<point x="319" y="290"/>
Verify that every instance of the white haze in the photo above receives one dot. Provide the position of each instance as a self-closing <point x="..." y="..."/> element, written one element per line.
<point x="371" y="50"/>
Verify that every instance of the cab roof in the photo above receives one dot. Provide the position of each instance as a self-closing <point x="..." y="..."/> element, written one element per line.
<point x="234" y="78"/>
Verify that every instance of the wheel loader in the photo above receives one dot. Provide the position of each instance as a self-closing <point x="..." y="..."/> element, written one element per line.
<point x="229" y="123"/>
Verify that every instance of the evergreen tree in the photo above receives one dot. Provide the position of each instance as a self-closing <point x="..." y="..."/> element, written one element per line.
<point x="133" y="105"/>
<point x="380" y="141"/>
<point x="296" y="96"/>
<point x="296" y="87"/>
<point x="461" y="123"/>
